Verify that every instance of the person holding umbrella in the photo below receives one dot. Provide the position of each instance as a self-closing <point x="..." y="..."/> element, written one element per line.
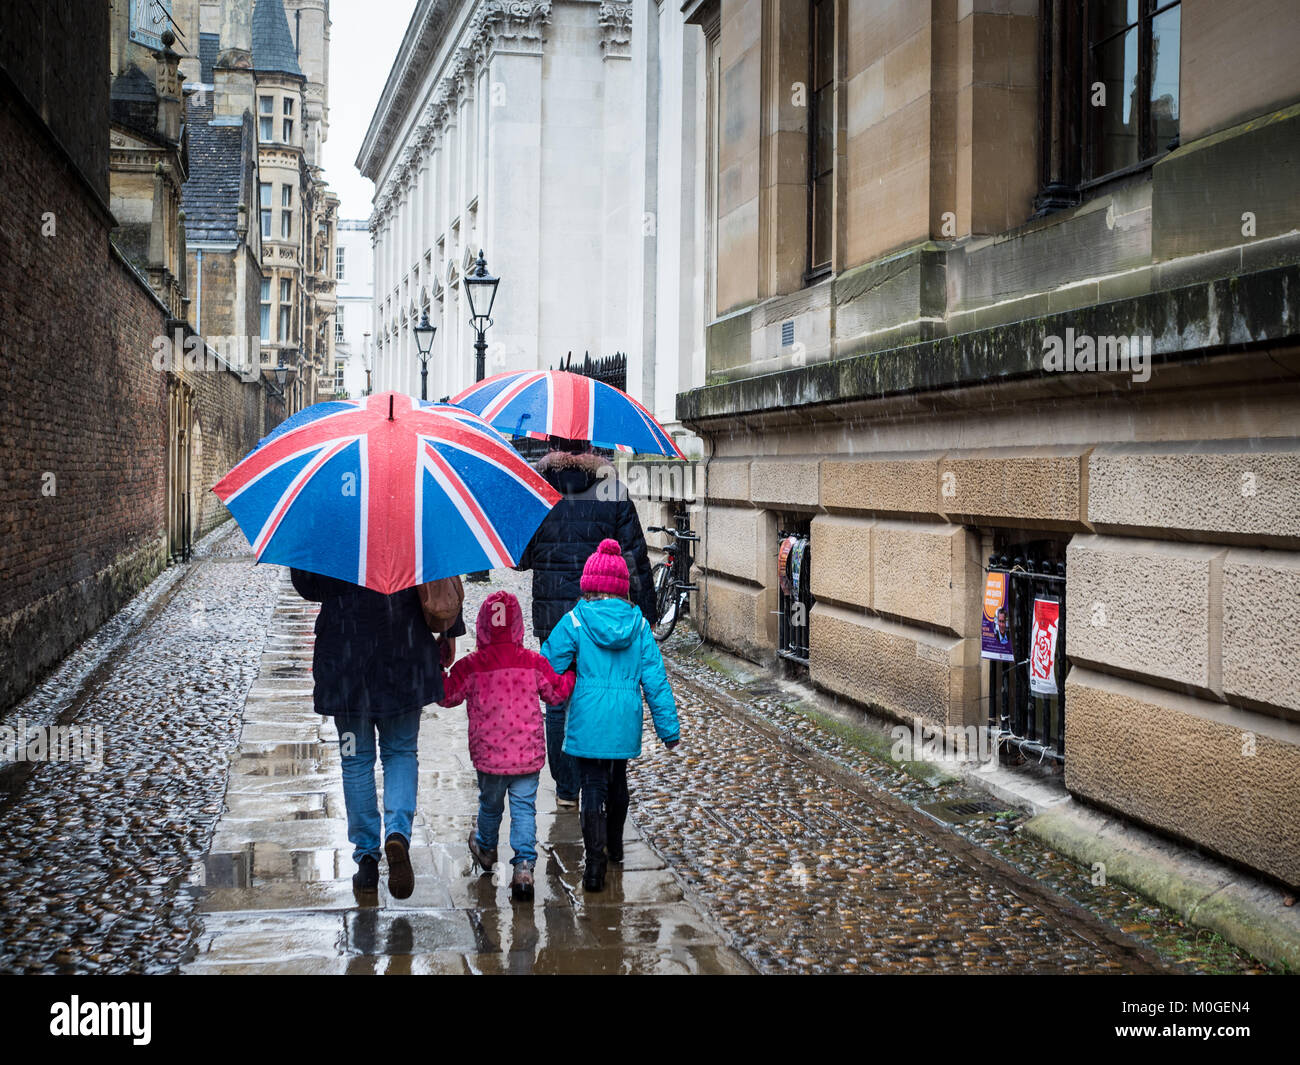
<point x="376" y="665"/>
<point x="370" y="502"/>
<point x="594" y="506"/>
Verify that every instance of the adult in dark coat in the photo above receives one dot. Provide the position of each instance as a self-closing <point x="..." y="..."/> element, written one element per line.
<point x="595" y="507"/>
<point x="376" y="666"/>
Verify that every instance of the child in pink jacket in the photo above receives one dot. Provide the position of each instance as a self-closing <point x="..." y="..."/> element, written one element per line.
<point x="500" y="682"/>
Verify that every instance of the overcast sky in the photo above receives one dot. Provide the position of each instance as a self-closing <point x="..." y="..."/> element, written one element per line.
<point x="364" y="38"/>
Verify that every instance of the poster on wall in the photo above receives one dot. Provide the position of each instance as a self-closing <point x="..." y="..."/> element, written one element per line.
<point x="1043" y="647"/>
<point x="995" y="627"/>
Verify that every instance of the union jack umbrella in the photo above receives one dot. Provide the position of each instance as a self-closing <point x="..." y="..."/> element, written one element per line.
<point x="542" y="403"/>
<point x="386" y="492"/>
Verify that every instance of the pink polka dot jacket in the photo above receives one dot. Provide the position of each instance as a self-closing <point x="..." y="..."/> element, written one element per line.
<point x="500" y="683"/>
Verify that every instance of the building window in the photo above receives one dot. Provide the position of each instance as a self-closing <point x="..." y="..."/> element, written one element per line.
<point x="1109" y="92"/>
<point x="288" y="120"/>
<point x="338" y="263"/>
<point x="265" y="118"/>
<point x="338" y="325"/>
<point x="286" y="308"/>
<point x="338" y="377"/>
<point x="821" y="136"/>
<point x="286" y="212"/>
<point x="264" y="202"/>
<point x="1132" y="83"/>
<point x="266" y="308"/>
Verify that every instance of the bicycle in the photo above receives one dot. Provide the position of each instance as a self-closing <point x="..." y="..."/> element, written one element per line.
<point x="672" y="580"/>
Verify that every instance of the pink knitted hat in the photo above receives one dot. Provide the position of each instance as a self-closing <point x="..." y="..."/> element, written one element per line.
<point x="606" y="571"/>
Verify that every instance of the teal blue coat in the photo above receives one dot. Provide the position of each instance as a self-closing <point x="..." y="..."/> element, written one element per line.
<point x="616" y="659"/>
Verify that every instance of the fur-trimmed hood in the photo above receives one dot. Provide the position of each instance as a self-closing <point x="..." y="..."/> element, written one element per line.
<point x="564" y="460"/>
<point x="575" y="474"/>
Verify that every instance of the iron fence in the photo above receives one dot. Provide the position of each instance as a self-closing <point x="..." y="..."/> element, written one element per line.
<point x="1020" y="717"/>
<point x="794" y="599"/>
<point x="612" y="369"/>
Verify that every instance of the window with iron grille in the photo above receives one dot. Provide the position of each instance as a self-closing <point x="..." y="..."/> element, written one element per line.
<point x="794" y="588"/>
<point x="1023" y="641"/>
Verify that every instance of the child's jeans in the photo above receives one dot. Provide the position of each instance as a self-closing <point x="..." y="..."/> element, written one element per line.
<point x="492" y="791"/>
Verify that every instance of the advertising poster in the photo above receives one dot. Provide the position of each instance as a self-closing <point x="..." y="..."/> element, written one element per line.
<point x="995" y="625"/>
<point x="1042" y="647"/>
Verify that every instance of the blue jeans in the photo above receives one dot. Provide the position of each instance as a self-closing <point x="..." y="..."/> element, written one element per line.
<point x="492" y="790"/>
<point x="564" y="767"/>
<point x="399" y="736"/>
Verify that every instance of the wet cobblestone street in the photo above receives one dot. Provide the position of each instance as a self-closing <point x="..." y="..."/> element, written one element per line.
<point x="214" y="838"/>
<point x="92" y="863"/>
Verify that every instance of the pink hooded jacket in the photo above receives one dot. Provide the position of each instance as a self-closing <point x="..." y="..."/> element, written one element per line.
<point x="500" y="682"/>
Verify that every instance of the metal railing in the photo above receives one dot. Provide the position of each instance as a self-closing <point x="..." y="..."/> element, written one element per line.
<point x="1019" y="717"/>
<point x="612" y="369"/>
<point x="794" y="604"/>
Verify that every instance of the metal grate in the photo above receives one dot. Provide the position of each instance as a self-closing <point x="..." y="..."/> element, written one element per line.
<point x="795" y="605"/>
<point x="1020" y="718"/>
<point x="955" y="811"/>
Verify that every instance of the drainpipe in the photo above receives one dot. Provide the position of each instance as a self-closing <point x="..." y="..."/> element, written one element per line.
<point x="198" y="295"/>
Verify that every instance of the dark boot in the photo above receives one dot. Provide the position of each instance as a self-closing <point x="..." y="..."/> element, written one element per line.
<point x="366" y="878"/>
<point x="401" y="877"/>
<point x="616" y="817"/>
<point x="593" y="839"/>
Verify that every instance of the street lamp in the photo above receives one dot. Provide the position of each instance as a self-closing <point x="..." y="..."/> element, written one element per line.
<point x="424" y="343"/>
<point x="281" y="373"/>
<point x="365" y="358"/>
<point x="481" y="293"/>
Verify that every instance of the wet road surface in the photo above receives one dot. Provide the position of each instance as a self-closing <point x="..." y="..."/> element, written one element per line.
<point x="764" y="844"/>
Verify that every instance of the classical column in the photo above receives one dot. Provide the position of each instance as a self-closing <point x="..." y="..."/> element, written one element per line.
<point x="511" y="218"/>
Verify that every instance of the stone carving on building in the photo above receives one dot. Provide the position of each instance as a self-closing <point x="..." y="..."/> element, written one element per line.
<point x="616" y="28"/>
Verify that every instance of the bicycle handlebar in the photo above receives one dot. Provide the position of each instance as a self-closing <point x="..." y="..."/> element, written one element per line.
<point x="671" y="532"/>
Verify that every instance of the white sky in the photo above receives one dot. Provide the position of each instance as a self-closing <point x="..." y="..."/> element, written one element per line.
<point x="364" y="38"/>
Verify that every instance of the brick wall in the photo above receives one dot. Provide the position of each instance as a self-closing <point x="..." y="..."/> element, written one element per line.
<point x="83" y="413"/>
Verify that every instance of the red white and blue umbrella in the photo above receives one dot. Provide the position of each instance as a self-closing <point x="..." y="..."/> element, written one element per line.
<point x="386" y="492"/>
<point x="542" y="403"/>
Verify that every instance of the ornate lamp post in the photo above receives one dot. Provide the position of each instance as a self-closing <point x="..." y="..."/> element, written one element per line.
<point x="424" y="343"/>
<point x="481" y="293"/>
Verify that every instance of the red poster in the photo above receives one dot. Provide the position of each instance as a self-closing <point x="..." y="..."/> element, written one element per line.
<point x="1043" y="647"/>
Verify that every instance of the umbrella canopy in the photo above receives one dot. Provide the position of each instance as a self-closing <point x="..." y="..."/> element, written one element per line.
<point x="386" y="492"/>
<point x="542" y="403"/>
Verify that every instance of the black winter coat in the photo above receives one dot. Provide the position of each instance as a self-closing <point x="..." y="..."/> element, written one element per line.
<point x="374" y="653"/>
<point x="595" y="507"/>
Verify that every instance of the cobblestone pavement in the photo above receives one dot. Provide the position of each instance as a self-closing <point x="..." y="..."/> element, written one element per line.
<point x="769" y="842"/>
<point x="813" y="856"/>
<point x="92" y="862"/>
<point x="276" y="892"/>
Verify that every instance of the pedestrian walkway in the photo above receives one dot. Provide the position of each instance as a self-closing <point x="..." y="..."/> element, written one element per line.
<point x="276" y="893"/>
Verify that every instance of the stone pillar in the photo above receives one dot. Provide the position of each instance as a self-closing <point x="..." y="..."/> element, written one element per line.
<point x="512" y="216"/>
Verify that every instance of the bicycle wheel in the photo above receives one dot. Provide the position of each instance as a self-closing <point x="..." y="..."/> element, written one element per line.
<point x="665" y="601"/>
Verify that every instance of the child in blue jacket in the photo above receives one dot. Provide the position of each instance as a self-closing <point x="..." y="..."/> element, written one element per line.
<point x="616" y="657"/>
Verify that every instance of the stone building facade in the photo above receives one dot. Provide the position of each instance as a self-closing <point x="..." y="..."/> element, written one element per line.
<point x="354" y="273"/>
<point x="504" y="126"/>
<point x="109" y="444"/>
<point x="924" y="225"/>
